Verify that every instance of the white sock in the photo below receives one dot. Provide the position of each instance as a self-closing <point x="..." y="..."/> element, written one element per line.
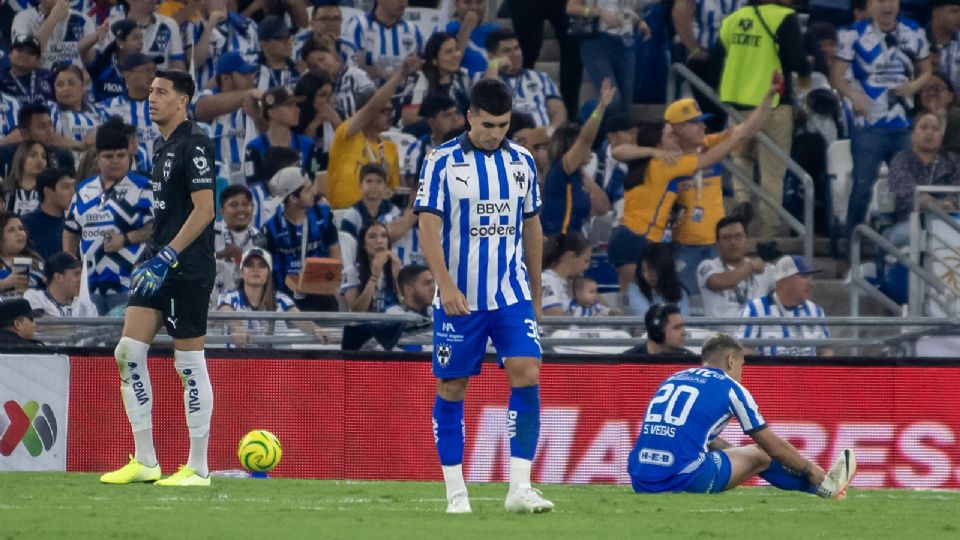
<point x="453" y="478"/>
<point x="520" y="473"/>
<point x="145" y="454"/>
<point x="198" y="455"/>
<point x="137" y="394"/>
<point x="197" y="404"/>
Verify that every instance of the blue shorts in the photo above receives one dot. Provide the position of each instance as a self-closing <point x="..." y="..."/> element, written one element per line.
<point x="460" y="343"/>
<point x="625" y="246"/>
<point x="712" y="476"/>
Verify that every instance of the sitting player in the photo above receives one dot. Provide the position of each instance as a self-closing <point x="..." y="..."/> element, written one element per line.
<point x="586" y="300"/>
<point x="679" y="449"/>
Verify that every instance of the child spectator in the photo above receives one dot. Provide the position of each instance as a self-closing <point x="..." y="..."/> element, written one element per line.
<point x="373" y="205"/>
<point x="234" y="235"/>
<point x="586" y="299"/>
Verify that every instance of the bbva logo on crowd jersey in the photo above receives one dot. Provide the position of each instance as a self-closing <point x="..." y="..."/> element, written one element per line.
<point x="32" y="424"/>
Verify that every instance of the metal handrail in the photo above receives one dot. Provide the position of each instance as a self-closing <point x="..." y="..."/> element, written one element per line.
<point x="807" y="227"/>
<point x="920" y="241"/>
<point x="862" y="286"/>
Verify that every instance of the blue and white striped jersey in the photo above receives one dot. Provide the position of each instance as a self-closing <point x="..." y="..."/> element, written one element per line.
<point x="483" y="198"/>
<point x="237" y="299"/>
<point x="137" y="114"/>
<point x="382" y="46"/>
<point x="707" y="18"/>
<point x="596" y="310"/>
<point x="75" y="125"/>
<point x="357" y="216"/>
<point x="531" y="90"/>
<point x="344" y="48"/>
<point x="770" y="306"/>
<point x="689" y="411"/>
<point x="408" y="248"/>
<point x="415" y="155"/>
<point x="950" y="61"/>
<point x="236" y="33"/>
<point x="286" y="77"/>
<point x="265" y="205"/>
<point x="228" y="133"/>
<point x="161" y="37"/>
<point x="9" y="109"/>
<point x="96" y="213"/>
<point x="284" y="241"/>
<point x="881" y="62"/>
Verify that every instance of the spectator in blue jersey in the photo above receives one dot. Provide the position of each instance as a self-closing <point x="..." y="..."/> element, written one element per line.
<point x="256" y="291"/>
<point x="231" y="107"/>
<point x="374" y="204"/>
<point x="656" y="282"/>
<point x="301" y="214"/>
<point x="19" y="187"/>
<point x="570" y="197"/>
<point x="697" y="23"/>
<point x="609" y="29"/>
<point x="371" y="283"/>
<point x="679" y="450"/>
<point x="282" y="110"/>
<point x="442" y="116"/>
<point x="534" y="92"/>
<point x="326" y="26"/>
<point x="277" y="67"/>
<point x="441" y="73"/>
<point x="790" y="299"/>
<point x="319" y="118"/>
<point x="382" y="38"/>
<point x="233" y="235"/>
<point x="218" y="31"/>
<point x="105" y="69"/>
<point x="138" y="71"/>
<point x="110" y="219"/>
<point x="74" y="116"/>
<point x="471" y="32"/>
<point x="65" y="35"/>
<point x="16" y="273"/>
<point x="610" y="171"/>
<point x="889" y="57"/>
<point x="23" y="78"/>
<point x="944" y="35"/>
<point x="161" y="34"/>
<point x="56" y="188"/>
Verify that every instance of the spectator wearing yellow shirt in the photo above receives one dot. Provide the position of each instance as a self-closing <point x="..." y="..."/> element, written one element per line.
<point x="357" y="141"/>
<point x="653" y="185"/>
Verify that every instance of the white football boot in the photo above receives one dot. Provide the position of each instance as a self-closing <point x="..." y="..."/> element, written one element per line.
<point x="527" y="500"/>
<point x="834" y="485"/>
<point x="459" y="504"/>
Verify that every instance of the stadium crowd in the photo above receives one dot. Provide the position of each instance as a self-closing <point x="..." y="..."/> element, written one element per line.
<point x="322" y="114"/>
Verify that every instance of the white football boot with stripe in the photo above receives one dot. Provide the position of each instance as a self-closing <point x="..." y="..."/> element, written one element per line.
<point x="834" y="485"/>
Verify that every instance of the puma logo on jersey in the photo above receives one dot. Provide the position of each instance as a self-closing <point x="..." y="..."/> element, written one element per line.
<point x="464" y="180"/>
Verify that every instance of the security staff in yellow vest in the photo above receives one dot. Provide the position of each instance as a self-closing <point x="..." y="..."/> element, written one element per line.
<point x="756" y="41"/>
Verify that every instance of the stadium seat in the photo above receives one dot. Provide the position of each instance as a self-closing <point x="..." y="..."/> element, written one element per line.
<point x="338" y="216"/>
<point x="840" y="174"/>
<point x="591" y="333"/>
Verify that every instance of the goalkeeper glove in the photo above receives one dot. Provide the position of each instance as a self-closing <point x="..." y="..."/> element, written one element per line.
<point x="149" y="276"/>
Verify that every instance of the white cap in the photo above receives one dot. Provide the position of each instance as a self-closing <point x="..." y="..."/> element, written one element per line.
<point x="286" y="181"/>
<point x="791" y="265"/>
<point x="258" y="252"/>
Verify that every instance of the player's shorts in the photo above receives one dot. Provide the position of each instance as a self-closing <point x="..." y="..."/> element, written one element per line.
<point x="459" y="343"/>
<point x="183" y="306"/>
<point x="711" y="476"/>
<point x="625" y="246"/>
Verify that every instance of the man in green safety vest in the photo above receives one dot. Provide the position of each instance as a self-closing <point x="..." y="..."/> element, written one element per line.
<point x="756" y="41"/>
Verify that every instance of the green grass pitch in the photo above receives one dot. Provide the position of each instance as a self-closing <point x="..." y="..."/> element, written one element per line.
<point x="75" y="506"/>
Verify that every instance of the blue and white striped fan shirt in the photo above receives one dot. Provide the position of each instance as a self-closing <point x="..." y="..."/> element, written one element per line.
<point x="9" y="109"/>
<point x="531" y="90"/>
<point x="228" y="132"/>
<point x="237" y="33"/>
<point x="708" y="17"/>
<point x="483" y="198"/>
<point x="137" y="114"/>
<point x="770" y="306"/>
<point x="75" y="125"/>
<point x="383" y="46"/>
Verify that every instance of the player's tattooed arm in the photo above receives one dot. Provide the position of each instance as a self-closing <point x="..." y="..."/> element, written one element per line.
<point x="718" y="444"/>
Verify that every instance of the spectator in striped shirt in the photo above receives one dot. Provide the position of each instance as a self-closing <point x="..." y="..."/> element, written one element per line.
<point x="105" y="69"/>
<point x="277" y="67"/>
<point x="36" y="125"/>
<point x="233" y="236"/>
<point x="138" y="72"/>
<point x="19" y="188"/>
<point x="534" y="92"/>
<point x="349" y="81"/>
<point x="586" y="299"/>
<point x="216" y="32"/>
<point x="282" y="110"/>
<point x="231" y="108"/>
<point x="441" y="73"/>
<point x="65" y="35"/>
<point x="319" y="118"/>
<point x="382" y="38"/>
<point x="74" y="116"/>
<point x="442" y="117"/>
<point x="161" y="34"/>
<point x="326" y="24"/>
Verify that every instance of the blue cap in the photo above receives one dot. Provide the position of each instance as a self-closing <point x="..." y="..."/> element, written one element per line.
<point x="234" y="62"/>
<point x="792" y="265"/>
<point x="136" y="60"/>
<point x="273" y="27"/>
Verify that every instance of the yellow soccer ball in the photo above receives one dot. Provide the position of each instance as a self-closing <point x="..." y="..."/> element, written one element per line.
<point x="259" y="451"/>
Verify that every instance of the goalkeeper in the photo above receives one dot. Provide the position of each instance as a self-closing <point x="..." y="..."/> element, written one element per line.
<point x="171" y="286"/>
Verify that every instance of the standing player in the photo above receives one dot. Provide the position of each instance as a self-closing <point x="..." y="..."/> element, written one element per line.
<point x="171" y="286"/>
<point x="679" y="449"/>
<point x="478" y="198"/>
